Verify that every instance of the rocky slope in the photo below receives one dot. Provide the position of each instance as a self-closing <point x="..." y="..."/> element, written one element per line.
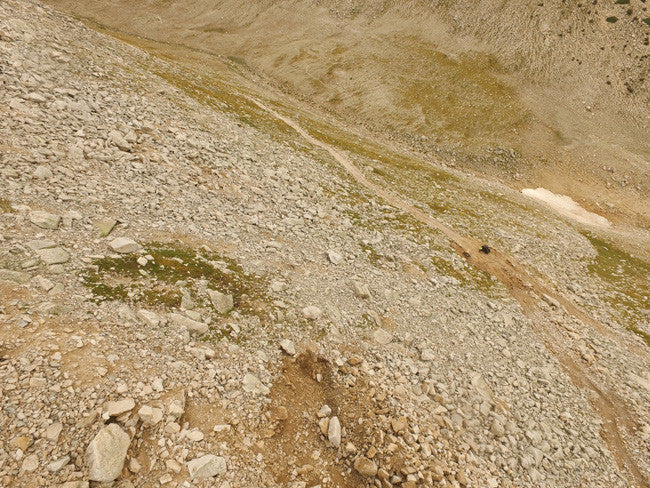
<point x="196" y="290"/>
<point x="552" y="94"/>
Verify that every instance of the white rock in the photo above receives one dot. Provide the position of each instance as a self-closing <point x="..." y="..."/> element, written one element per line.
<point x="37" y="244"/>
<point x="427" y="355"/>
<point x="361" y="290"/>
<point x="115" y="408"/>
<point x="157" y="384"/>
<point x="150" y="415"/>
<point x="312" y="312"/>
<point x="124" y="245"/>
<point x="44" y="220"/>
<point x="30" y="463"/>
<point x="195" y="435"/>
<point x="206" y="466"/>
<point x="324" y="411"/>
<point x="221" y="302"/>
<point x="382" y="336"/>
<point x="334" y="257"/>
<point x="287" y="346"/>
<point x="53" y="431"/>
<point x="334" y="432"/>
<point x="54" y="255"/>
<point x="106" y="453"/>
<point x="43" y="283"/>
<point x="43" y="172"/>
<point x="58" y="464"/>
<point x="188" y="323"/>
<point x="252" y="384"/>
<point x="147" y="317"/>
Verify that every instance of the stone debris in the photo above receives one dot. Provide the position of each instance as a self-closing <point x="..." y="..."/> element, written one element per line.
<point x="105" y="226"/>
<point x="416" y="371"/>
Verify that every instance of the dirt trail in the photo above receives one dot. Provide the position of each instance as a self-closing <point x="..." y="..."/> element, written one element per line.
<point x="527" y="287"/>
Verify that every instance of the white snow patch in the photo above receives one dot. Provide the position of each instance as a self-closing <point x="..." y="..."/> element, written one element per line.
<point x="566" y="206"/>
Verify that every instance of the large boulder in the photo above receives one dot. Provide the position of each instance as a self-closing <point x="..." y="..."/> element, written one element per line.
<point x="106" y="453"/>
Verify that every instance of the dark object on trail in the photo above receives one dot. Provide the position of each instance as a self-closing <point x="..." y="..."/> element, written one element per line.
<point x="466" y="255"/>
<point x="485" y="249"/>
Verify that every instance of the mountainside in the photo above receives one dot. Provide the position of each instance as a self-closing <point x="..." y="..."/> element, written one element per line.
<point x="550" y="94"/>
<point x="208" y="278"/>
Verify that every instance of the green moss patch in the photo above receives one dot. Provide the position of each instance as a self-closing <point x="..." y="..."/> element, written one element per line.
<point x="158" y="283"/>
<point x="5" y="206"/>
<point x="627" y="280"/>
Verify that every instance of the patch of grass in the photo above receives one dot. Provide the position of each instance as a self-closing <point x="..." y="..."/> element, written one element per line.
<point x="628" y="283"/>
<point x="121" y="278"/>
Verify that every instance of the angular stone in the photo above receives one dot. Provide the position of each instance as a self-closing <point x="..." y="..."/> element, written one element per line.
<point x="37" y="244"/>
<point x="118" y="139"/>
<point x="53" y="431"/>
<point x="43" y="172"/>
<point x="105" y="226"/>
<point x="44" y="220"/>
<point x="106" y="453"/>
<point x="361" y="290"/>
<point x="58" y="464"/>
<point x="334" y="432"/>
<point x="287" y="346"/>
<point x="206" y="466"/>
<point x="54" y="255"/>
<point x="312" y="312"/>
<point x="334" y="257"/>
<point x="150" y="415"/>
<point x="30" y="463"/>
<point x="252" y="384"/>
<point x="149" y="318"/>
<point x="15" y="276"/>
<point x="188" y="323"/>
<point x="427" y="355"/>
<point x="124" y="245"/>
<point x="365" y="466"/>
<point x="382" y="336"/>
<point x="221" y="302"/>
<point x="115" y="408"/>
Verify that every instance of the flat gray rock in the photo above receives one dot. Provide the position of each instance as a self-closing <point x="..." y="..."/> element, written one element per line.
<point x="54" y="255"/>
<point x="124" y="245"/>
<point x="188" y="323"/>
<point x="44" y="220"/>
